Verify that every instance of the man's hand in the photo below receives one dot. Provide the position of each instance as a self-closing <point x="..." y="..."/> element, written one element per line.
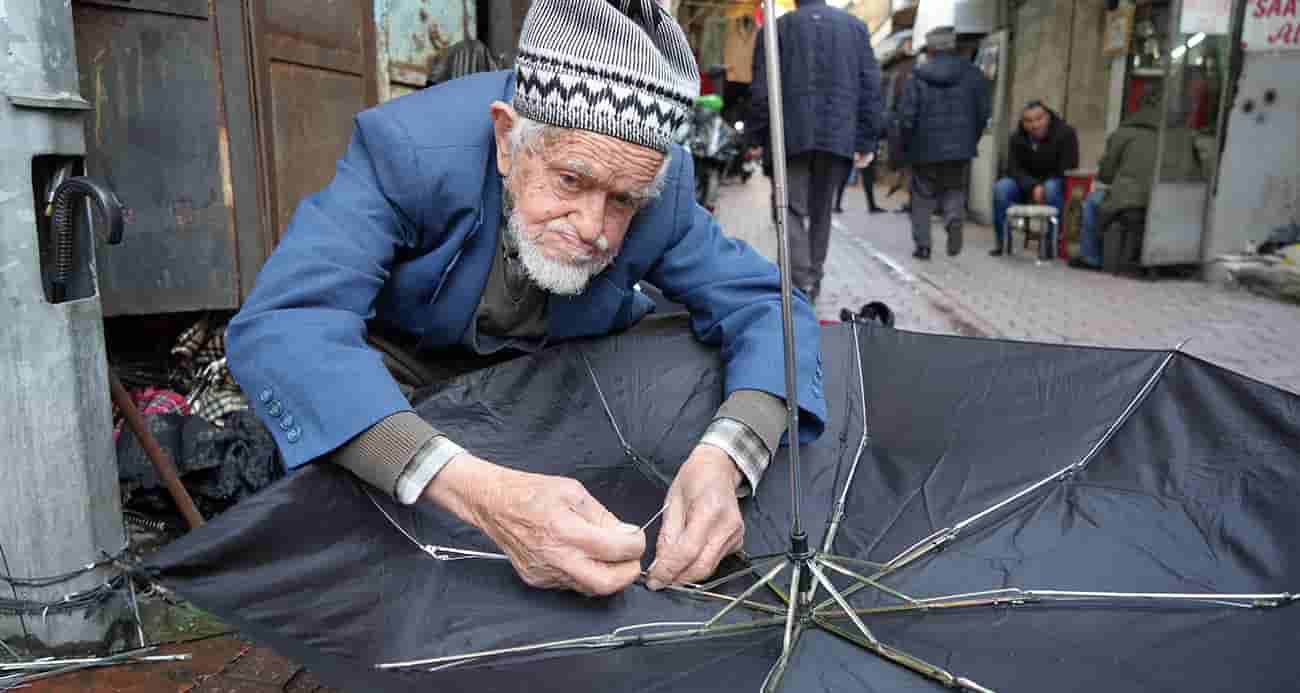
<point x="1040" y="194"/>
<point x="863" y="159"/>
<point x="702" y="523"/>
<point x="556" y="534"/>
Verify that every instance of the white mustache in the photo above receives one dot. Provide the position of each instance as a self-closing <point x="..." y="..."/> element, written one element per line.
<point x="567" y="229"/>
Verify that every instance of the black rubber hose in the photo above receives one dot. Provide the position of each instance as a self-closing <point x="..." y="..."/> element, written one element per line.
<point x="62" y="228"/>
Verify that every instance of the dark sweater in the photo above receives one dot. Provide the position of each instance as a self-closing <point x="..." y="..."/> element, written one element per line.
<point x="1033" y="163"/>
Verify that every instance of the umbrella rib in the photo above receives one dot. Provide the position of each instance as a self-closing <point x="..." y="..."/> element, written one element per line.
<point x="943" y="536"/>
<point x="706" y="594"/>
<point x="897" y="656"/>
<point x="837" y="516"/>
<point x="613" y="422"/>
<point x="613" y="638"/>
<point x="441" y="553"/>
<point x="828" y="562"/>
<point x="774" y="675"/>
<point x="752" y="568"/>
<point x="771" y="575"/>
<point x="839" y="599"/>
<point x="1016" y="596"/>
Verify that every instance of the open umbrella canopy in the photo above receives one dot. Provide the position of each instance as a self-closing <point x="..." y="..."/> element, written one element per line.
<point x="1057" y="486"/>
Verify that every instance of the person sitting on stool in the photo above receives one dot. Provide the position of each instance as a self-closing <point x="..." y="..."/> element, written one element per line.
<point x="1128" y="169"/>
<point x="1042" y="149"/>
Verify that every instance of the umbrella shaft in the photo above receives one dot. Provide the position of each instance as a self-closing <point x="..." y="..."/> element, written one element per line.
<point x="777" y="130"/>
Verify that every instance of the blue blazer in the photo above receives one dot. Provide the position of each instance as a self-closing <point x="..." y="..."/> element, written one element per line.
<point x="407" y="231"/>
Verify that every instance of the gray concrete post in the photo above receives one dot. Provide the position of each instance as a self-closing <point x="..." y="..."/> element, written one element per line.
<point x="59" y="505"/>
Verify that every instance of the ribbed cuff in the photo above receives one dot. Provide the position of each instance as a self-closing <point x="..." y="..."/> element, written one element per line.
<point x="382" y="452"/>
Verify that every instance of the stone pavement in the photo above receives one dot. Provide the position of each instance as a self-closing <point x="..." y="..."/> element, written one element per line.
<point x="870" y="258"/>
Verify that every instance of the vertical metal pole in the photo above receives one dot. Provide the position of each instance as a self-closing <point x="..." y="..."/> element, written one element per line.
<point x="777" y="130"/>
<point x="59" y="498"/>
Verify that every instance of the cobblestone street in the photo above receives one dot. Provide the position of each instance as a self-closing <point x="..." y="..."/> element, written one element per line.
<point x="1017" y="298"/>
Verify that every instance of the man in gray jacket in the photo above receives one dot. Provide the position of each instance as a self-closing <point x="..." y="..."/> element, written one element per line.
<point x="944" y="108"/>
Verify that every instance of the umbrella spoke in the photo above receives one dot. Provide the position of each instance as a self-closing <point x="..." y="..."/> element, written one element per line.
<point x="771" y="575"/>
<point x="705" y="594"/>
<point x="862" y="579"/>
<point x="618" y="637"/>
<point x="902" y="658"/>
<point x="837" y="515"/>
<point x="1016" y="596"/>
<point x="839" y="599"/>
<point x="772" y="681"/>
<point x="752" y="568"/>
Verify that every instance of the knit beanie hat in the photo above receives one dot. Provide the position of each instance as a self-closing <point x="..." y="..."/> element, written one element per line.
<point x="617" y="67"/>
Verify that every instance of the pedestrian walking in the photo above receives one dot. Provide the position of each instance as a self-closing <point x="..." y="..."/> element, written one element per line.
<point x="831" y="106"/>
<point x="944" y="109"/>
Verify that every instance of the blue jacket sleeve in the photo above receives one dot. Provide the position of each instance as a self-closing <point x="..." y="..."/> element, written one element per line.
<point x="734" y="297"/>
<point x="297" y="347"/>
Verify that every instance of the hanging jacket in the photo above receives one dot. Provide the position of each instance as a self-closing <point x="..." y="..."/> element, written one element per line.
<point x="944" y="109"/>
<point x="1032" y="163"/>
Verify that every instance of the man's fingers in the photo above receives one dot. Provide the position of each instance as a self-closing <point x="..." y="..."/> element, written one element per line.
<point x="667" y="561"/>
<point x="700" y="526"/>
<point x="707" y="562"/>
<point x="621" y="542"/>
<point x="598" y="579"/>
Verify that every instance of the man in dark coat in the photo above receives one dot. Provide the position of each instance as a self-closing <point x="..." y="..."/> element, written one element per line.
<point x="831" y="106"/>
<point x="944" y="109"/>
<point x="1042" y="149"/>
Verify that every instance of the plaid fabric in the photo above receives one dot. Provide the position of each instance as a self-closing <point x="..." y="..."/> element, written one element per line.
<point x="746" y="448"/>
<point x="200" y="353"/>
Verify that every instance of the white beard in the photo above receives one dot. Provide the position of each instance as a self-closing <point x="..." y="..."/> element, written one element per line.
<point x="554" y="276"/>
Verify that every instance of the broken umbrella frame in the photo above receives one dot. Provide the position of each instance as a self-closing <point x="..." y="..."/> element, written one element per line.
<point x="808" y="567"/>
<point x="808" y="572"/>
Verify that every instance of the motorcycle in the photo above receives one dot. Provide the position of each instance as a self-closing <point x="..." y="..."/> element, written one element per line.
<point x="714" y="145"/>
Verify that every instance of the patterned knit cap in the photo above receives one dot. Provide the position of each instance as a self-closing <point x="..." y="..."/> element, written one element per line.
<point x="617" y="67"/>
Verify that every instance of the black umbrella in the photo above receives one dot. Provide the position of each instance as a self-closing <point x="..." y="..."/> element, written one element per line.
<point x="1137" y="484"/>
<point x="1181" y="481"/>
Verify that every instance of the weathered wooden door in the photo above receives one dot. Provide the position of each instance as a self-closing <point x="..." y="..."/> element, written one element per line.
<point x="315" y="69"/>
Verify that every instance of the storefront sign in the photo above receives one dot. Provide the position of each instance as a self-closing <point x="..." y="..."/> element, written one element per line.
<point x="1206" y="17"/>
<point x="1271" y="25"/>
<point x="1119" y="28"/>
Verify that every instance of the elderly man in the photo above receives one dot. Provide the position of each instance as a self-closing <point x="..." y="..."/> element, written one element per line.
<point x="506" y="212"/>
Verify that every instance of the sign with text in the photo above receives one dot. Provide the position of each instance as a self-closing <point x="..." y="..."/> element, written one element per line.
<point x="1206" y="17"/>
<point x="1271" y="25"/>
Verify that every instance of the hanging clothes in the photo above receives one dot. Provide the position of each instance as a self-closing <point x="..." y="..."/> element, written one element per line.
<point x="738" y="53"/>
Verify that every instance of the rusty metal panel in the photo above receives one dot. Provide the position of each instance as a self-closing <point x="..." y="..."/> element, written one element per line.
<point x="155" y="137"/>
<point x="312" y="121"/>
<point x="315" y="67"/>
<point x="252" y="228"/>
<point x="418" y="31"/>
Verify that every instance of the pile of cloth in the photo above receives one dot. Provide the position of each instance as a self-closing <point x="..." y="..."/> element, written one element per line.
<point x="202" y="420"/>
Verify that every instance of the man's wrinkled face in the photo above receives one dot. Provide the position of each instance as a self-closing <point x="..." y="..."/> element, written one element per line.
<point x="1036" y="119"/>
<point x="571" y="201"/>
